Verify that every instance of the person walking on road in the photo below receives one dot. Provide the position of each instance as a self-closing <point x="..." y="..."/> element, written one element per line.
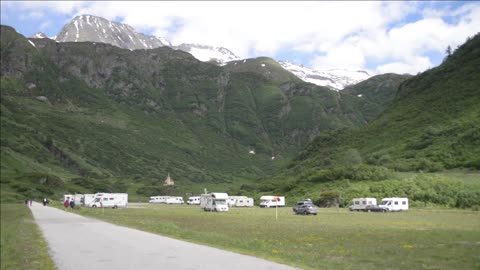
<point x="45" y="201"/>
<point x="72" y="204"/>
<point x="66" y="204"/>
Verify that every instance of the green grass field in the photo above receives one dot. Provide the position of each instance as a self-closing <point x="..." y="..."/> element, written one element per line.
<point x="334" y="239"/>
<point x="22" y="244"/>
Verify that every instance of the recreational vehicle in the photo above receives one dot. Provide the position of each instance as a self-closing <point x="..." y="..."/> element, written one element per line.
<point x="272" y="201"/>
<point x="214" y="202"/>
<point x="239" y="201"/>
<point x="195" y="200"/>
<point x="174" y="200"/>
<point x="158" y="199"/>
<point x="113" y="200"/>
<point x="87" y="199"/>
<point x="361" y="204"/>
<point x="394" y="204"/>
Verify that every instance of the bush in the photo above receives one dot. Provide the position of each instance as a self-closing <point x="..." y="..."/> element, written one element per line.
<point x="328" y="198"/>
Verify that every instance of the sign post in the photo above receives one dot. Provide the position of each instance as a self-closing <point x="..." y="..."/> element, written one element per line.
<point x="276" y="199"/>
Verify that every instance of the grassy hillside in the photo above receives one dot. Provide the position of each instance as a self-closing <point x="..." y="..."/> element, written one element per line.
<point x="433" y="124"/>
<point x="88" y="117"/>
<point x="378" y="92"/>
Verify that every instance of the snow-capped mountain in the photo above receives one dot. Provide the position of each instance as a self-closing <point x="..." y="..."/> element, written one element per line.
<point x="336" y="79"/>
<point x="39" y="35"/>
<point x="208" y="53"/>
<point x="97" y="29"/>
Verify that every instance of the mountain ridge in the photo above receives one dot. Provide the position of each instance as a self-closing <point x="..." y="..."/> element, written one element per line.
<point x="96" y="29"/>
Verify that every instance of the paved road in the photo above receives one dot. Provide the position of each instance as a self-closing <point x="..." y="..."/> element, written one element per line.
<point x="81" y="243"/>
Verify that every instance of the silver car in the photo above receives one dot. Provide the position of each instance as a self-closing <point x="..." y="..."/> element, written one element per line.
<point x="305" y="208"/>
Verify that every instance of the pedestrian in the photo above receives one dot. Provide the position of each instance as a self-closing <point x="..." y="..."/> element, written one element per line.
<point x="30" y="201"/>
<point x="26" y="201"/>
<point x="72" y="204"/>
<point x="45" y="201"/>
<point x="66" y="204"/>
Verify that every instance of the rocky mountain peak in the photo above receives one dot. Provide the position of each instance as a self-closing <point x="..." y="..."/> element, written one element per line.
<point x="97" y="29"/>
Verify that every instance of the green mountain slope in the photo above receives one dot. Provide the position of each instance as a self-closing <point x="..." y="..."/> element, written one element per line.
<point x="378" y="92"/>
<point x="87" y="117"/>
<point x="433" y="123"/>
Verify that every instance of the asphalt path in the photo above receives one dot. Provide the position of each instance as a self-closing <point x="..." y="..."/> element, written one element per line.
<point x="80" y="243"/>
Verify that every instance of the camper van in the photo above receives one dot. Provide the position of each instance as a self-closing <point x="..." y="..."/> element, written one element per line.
<point x="158" y="199"/>
<point x="394" y="204"/>
<point x="195" y="200"/>
<point x="239" y="201"/>
<point x="174" y="200"/>
<point x="113" y="200"/>
<point x="361" y="204"/>
<point x="78" y="199"/>
<point x="272" y="201"/>
<point x="214" y="202"/>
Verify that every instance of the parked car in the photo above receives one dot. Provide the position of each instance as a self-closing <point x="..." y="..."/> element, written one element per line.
<point x="301" y="203"/>
<point x="307" y="209"/>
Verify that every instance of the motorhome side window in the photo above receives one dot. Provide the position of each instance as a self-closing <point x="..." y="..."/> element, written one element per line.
<point x="396" y="203"/>
<point x="357" y="202"/>
<point x="111" y="199"/>
<point x="105" y="199"/>
<point x="404" y="202"/>
<point x="363" y="202"/>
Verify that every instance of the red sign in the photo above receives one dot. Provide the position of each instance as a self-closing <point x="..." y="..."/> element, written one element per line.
<point x="276" y="199"/>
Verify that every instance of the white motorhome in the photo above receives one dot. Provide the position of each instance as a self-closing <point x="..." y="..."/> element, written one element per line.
<point x="158" y="199"/>
<point x="360" y="204"/>
<point x="214" y="202"/>
<point x="239" y="201"/>
<point x="87" y="199"/>
<point x="174" y="200"/>
<point x="194" y="200"/>
<point x="113" y="200"/>
<point x="272" y="201"/>
<point x="394" y="204"/>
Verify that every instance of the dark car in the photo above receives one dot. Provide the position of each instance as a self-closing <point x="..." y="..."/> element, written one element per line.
<point x="307" y="209"/>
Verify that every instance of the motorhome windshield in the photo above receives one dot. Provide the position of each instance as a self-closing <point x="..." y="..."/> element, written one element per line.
<point x="220" y="202"/>
<point x="97" y="199"/>
<point x="386" y="202"/>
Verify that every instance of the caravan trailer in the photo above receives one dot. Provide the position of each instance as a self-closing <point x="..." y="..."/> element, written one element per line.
<point x="158" y="199"/>
<point x="214" y="202"/>
<point x="361" y="204"/>
<point x="113" y="200"/>
<point x="239" y="201"/>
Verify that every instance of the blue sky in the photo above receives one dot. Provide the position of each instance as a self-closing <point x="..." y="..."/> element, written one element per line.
<point x="391" y="36"/>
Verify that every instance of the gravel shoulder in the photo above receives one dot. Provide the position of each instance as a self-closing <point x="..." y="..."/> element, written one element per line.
<point x="78" y="243"/>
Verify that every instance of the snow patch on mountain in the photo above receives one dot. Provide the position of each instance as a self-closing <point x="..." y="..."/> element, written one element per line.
<point x="39" y="35"/>
<point x="208" y="53"/>
<point x="336" y="79"/>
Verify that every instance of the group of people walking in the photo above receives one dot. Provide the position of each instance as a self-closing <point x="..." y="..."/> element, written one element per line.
<point x="45" y="201"/>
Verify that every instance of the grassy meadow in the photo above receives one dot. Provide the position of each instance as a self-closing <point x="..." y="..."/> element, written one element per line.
<point x="22" y="244"/>
<point x="334" y="239"/>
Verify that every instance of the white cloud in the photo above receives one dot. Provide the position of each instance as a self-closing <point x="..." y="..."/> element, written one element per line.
<point x="410" y="66"/>
<point x="337" y="34"/>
